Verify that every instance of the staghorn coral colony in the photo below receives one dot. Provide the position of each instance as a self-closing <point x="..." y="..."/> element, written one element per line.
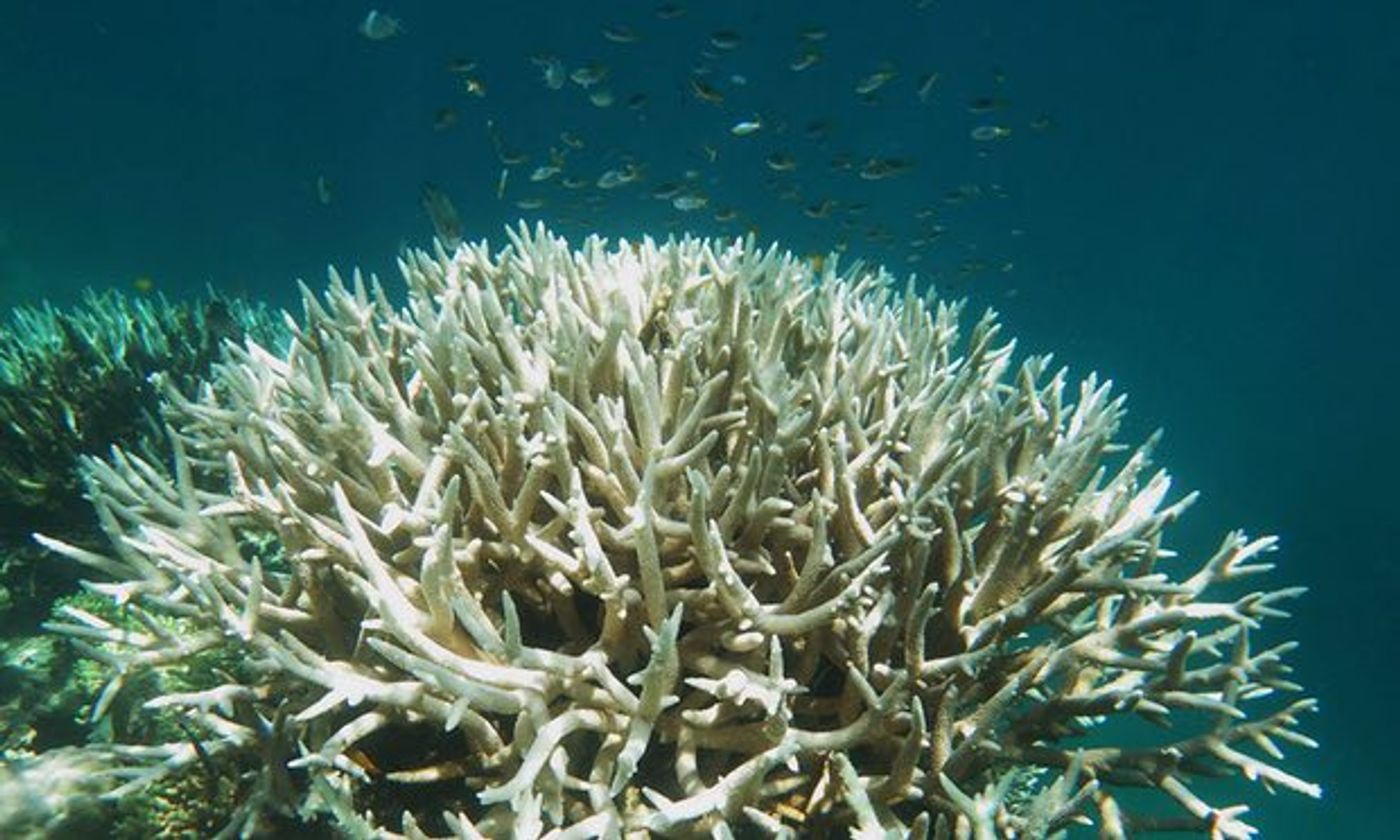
<point x="74" y="382"/>
<point x="677" y="539"/>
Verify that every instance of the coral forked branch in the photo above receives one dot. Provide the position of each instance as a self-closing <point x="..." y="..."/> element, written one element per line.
<point x="682" y="538"/>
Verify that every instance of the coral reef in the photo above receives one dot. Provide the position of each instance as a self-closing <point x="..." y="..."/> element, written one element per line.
<point x="75" y="382"/>
<point x="676" y="538"/>
<point x="44" y="687"/>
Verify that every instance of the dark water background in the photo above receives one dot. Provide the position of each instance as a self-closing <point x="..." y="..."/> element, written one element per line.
<point x="1197" y="199"/>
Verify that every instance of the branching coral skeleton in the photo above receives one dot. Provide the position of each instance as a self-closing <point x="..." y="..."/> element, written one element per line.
<point x="682" y="538"/>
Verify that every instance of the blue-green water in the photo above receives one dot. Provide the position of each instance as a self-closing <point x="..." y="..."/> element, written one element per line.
<point x="1197" y="199"/>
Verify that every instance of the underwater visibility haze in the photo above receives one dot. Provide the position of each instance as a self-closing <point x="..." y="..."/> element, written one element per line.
<point x="569" y="503"/>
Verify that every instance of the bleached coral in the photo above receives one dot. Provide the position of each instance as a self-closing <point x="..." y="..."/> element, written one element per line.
<point x="681" y="538"/>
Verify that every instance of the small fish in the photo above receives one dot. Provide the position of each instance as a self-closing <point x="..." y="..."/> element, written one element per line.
<point x="969" y="268"/>
<point x="529" y="203"/>
<point x="962" y="193"/>
<point x="620" y="34"/>
<point x="688" y="202"/>
<point x="461" y="65"/>
<point x="878" y="169"/>
<point x="637" y="101"/>
<point x="446" y="223"/>
<point x="725" y="39"/>
<point x="988" y="133"/>
<point x="817" y="130"/>
<point x="669" y="11"/>
<point x="362" y="759"/>
<point x="791" y="192"/>
<point x="552" y="70"/>
<point x="926" y="83"/>
<point x="805" y="60"/>
<point x="444" y="118"/>
<point x="878" y="233"/>
<point x="705" y="92"/>
<point x="506" y="156"/>
<point x="143" y="284"/>
<point x="325" y="190"/>
<point x="474" y="86"/>
<point x="779" y="162"/>
<point x="666" y="191"/>
<point x="378" y="26"/>
<point x="573" y="141"/>
<point x="813" y="33"/>
<point x="875" y="81"/>
<point x="726" y="214"/>
<point x="601" y="98"/>
<point x="544" y="173"/>
<point x="746" y="127"/>
<point x="587" y="77"/>
<point x="985" y="104"/>
<point x="820" y="210"/>
<point x="614" y="178"/>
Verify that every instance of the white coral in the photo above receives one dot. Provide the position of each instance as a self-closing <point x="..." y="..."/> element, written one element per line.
<point x="853" y="567"/>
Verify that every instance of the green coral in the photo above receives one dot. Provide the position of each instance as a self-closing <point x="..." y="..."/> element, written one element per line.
<point x="46" y="692"/>
<point x="47" y="687"/>
<point x="76" y="382"/>
<point x="181" y="805"/>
